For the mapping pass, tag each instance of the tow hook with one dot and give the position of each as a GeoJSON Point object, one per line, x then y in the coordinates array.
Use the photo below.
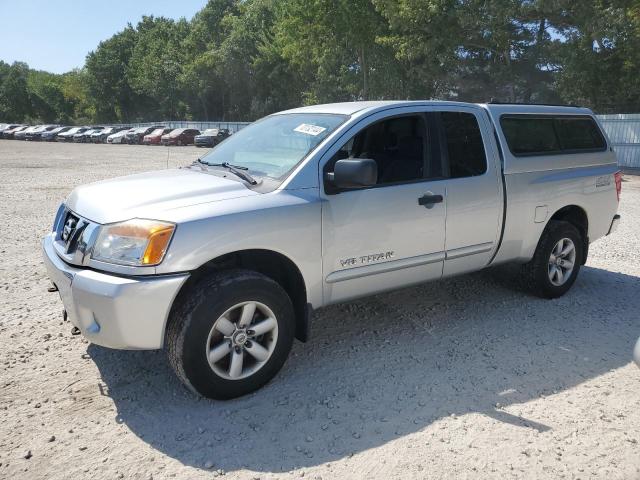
{"type": "Point", "coordinates": [75, 331]}
{"type": "Point", "coordinates": [52, 288]}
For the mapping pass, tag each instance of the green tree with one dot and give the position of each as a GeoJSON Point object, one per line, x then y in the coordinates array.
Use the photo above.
{"type": "Point", "coordinates": [334, 46]}
{"type": "Point", "coordinates": [15, 102]}
{"type": "Point", "coordinates": [106, 78]}
{"type": "Point", "coordinates": [242, 59]}
{"type": "Point", "coordinates": [201, 75]}
{"type": "Point", "coordinates": [599, 59]}
{"type": "Point", "coordinates": [77, 94]}
{"type": "Point", "coordinates": [156, 66]}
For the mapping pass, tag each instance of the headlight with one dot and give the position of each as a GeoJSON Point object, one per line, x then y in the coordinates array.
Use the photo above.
{"type": "Point", "coordinates": [134, 242]}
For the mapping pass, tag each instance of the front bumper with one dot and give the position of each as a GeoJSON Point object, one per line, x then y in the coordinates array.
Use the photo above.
{"type": "Point", "coordinates": [112, 311]}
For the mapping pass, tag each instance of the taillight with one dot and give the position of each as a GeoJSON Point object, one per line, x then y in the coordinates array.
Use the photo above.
{"type": "Point", "coordinates": [618, 179]}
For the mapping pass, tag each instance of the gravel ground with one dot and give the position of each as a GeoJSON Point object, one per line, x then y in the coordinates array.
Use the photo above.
{"type": "Point", "coordinates": [464, 378]}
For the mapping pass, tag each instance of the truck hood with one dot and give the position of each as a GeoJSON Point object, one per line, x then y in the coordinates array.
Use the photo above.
{"type": "Point", "coordinates": [151, 195]}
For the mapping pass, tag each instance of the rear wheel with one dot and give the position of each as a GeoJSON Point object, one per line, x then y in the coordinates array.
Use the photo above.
{"type": "Point", "coordinates": [556, 262]}
{"type": "Point", "coordinates": [231, 334]}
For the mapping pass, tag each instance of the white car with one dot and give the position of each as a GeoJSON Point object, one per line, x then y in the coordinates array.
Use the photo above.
{"type": "Point", "coordinates": [119, 137]}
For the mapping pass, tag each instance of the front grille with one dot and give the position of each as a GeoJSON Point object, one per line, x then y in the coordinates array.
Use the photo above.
{"type": "Point", "coordinates": [75, 236]}
{"type": "Point", "coordinates": [69, 228]}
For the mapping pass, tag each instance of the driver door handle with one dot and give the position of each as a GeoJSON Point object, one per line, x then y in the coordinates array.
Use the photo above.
{"type": "Point", "coordinates": [429, 200]}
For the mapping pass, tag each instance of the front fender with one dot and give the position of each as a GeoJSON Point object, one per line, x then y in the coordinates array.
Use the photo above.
{"type": "Point", "coordinates": [284, 221]}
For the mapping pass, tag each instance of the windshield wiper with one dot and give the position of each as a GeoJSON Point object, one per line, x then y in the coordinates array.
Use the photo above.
{"type": "Point", "coordinates": [235, 169]}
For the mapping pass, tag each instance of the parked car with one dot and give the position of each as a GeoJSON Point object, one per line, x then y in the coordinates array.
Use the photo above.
{"type": "Point", "coordinates": [135, 137]}
{"type": "Point", "coordinates": [119, 137]}
{"type": "Point", "coordinates": [84, 137]}
{"type": "Point", "coordinates": [180, 136]}
{"type": "Point", "coordinates": [211, 137]}
{"type": "Point", "coordinates": [50, 135]}
{"type": "Point", "coordinates": [36, 134]}
{"type": "Point", "coordinates": [68, 135]}
{"type": "Point", "coordinates": [321, 205]}
{"type": "Point", "coordinates": [7, 126]}
{"type": "Point", "coordinates": [22, 134]}
{"type": "Point", "coordinates": [101, 135]}
{"type": "Point", "coordinates": [9, 133]}
{"type": "Point", "coordinates": [154, 137]}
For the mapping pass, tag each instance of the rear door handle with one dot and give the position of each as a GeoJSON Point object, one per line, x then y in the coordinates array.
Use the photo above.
{"type": "Point", "coordinates": [429, 200]}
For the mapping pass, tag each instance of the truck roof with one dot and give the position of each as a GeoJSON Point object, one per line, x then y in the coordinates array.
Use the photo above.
{"type": "Point", "coordinates": [350, 108]}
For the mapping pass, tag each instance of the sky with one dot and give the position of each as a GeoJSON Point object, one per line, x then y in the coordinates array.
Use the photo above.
{"type": "Point", "coordinates": [56, 35]}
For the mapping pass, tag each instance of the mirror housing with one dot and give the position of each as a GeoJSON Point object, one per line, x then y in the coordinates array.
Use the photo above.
{"type": "Point", "coordinates": [354, 173]}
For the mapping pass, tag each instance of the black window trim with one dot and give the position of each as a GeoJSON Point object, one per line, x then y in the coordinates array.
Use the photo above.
{"type": "Point", "coordinates": [561, 151]}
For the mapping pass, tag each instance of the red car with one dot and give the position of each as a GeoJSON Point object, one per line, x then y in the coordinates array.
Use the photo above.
{"type": "Point", "coordinates": [154, 137]}
{"type": "Point", "coordinates": [180, 136]}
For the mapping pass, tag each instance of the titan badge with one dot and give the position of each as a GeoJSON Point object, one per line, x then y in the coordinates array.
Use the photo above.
{"type": "Point", "coordinates": [366, 259]}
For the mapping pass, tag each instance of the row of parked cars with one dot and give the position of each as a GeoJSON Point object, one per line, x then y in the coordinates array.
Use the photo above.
{"type": "Point", "coordinates": [155, 135]}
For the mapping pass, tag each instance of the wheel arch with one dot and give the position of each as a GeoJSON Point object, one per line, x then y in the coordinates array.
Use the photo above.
{"type": "Point", "coordinates": [272, 264]}
{"type": "Point", "coordinates": [576, 216]}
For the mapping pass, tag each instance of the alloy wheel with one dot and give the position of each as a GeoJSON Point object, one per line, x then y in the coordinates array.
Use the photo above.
{"type": "Point", "coordinates": [562, 261]}
{"type": "Point", "coordinates": [242, 340]}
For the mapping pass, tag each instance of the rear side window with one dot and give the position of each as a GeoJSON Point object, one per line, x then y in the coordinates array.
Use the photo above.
{"type": "Point", "coordinates": [551, 135]}
{"type": "Point", "coordinates": [464, 146]}
{"type": "Point", "coordinates": [527, 136]}
{"type": "Point", "coordinates": [579, 134]}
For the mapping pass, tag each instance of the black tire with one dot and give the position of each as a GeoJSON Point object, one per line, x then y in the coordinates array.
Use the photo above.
{"type": "Point", "coordinates": [194, 315]}
{"type": "Point", "coordinates": [535, 274]}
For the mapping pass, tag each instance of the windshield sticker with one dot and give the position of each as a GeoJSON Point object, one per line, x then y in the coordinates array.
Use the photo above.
{"type": "Point", "coordinates": [309, 129]}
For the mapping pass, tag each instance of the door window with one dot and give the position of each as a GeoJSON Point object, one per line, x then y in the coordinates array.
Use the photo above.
{"type": "Point", "coordinates": [463, 144]}
{"type": "Point", "coordinates": [398, 146]}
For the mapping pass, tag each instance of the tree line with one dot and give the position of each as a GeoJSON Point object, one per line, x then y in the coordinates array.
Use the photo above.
{"type": "Point", "coordinates": [238, 60]}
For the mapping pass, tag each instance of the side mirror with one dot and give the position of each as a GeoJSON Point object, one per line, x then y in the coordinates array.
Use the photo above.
{"type": "Point", "coordinates": [354, 173]}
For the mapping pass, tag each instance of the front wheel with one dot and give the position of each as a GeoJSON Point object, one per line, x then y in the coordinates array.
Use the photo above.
{"type": "Point", "coordinates": [230, 334]}
{"type": "Point", "coordinates": [556, 262]}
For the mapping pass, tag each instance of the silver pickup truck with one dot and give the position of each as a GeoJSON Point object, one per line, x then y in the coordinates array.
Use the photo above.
{"type": "Point", "coordinates": [222, 262]}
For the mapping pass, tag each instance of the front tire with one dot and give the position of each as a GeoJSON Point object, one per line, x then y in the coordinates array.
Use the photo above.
{"type": "Point", "coordinates": [556, 263]}
{"type": "Point", "coordinates": [230, 334]}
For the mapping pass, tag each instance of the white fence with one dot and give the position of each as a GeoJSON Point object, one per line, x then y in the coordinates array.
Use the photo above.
{"type": "Point", "coordinates": [624, 132]}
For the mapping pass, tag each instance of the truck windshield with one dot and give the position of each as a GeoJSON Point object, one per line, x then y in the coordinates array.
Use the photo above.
{"type": "Point", "coordinates": [273, 146]}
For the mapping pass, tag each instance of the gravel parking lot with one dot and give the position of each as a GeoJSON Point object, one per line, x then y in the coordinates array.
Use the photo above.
{"type": "Point", "coordinates": [465, 378]}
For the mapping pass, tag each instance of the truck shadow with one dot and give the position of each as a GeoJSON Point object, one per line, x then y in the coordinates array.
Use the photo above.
{"type": "Point", "coordinates": [385, 367]}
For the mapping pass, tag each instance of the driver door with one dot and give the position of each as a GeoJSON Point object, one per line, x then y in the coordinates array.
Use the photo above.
{"type": "Point", "coordinates": [392, 234]}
